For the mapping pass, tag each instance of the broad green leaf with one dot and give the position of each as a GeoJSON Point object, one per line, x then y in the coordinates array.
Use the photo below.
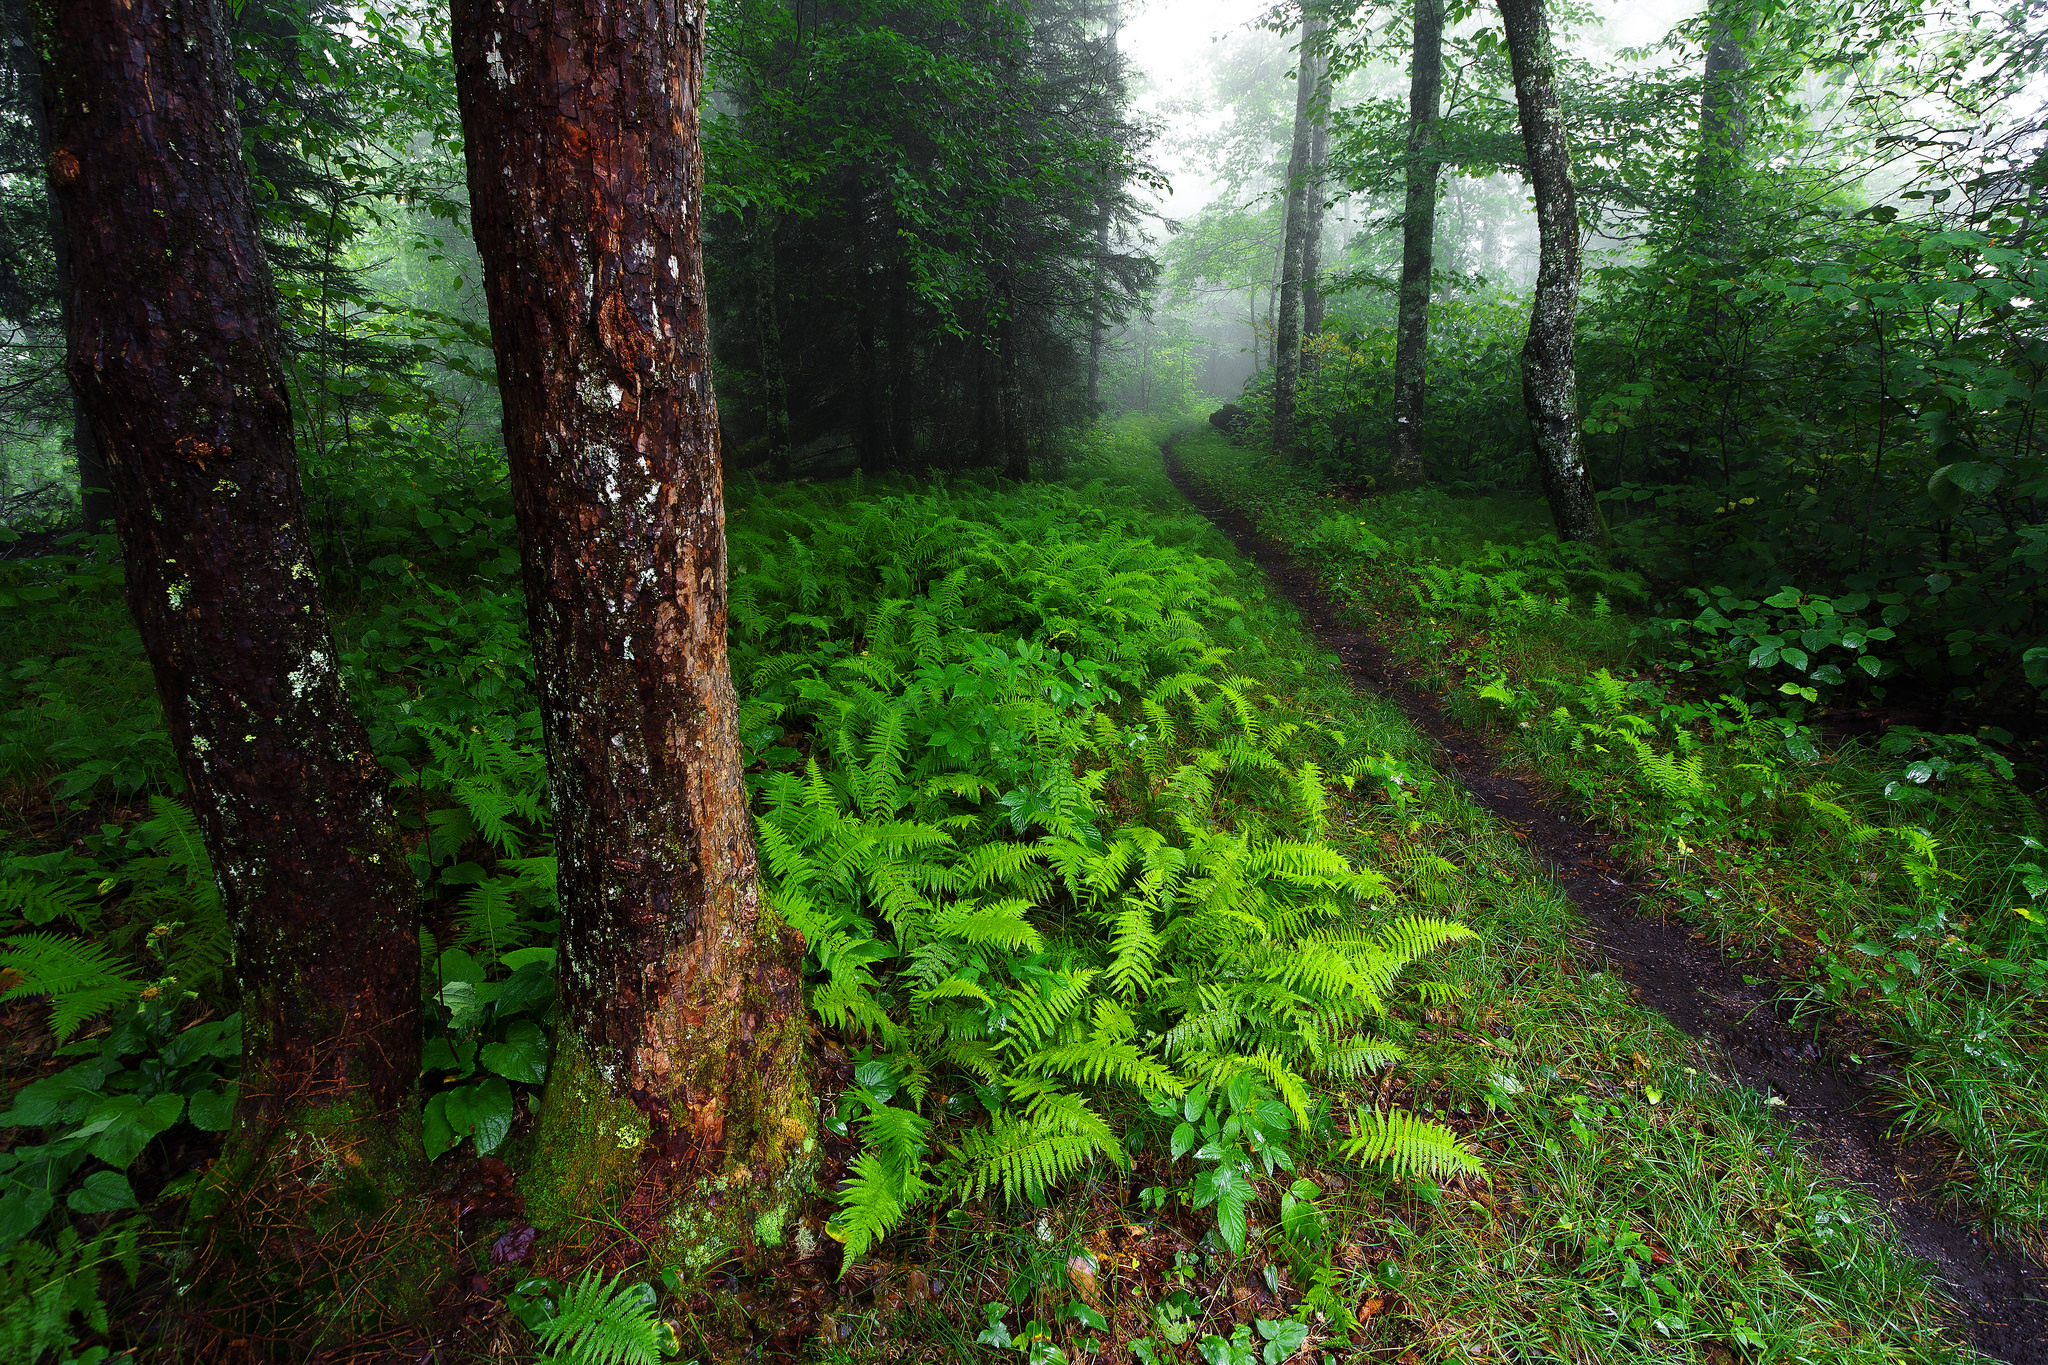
{"type": "Point", "coordinates": [213, 1110]}
{"type": "Point", "coordinates": [102, 1192]}
{"type": "Point", "coordinates": [22, 1211]}
{"type": "Point", "coordinates": [523, 1056]}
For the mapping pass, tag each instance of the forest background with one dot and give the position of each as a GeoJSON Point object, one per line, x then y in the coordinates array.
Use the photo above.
{"type": "Point", "coordinates": [1798, 666]}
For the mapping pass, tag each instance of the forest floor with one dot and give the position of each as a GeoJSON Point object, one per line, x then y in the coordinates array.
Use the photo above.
{"type": "Point", "coordinates": [1727, 1001]}
{"type": "Point", "coordinates": [1639, 1201]}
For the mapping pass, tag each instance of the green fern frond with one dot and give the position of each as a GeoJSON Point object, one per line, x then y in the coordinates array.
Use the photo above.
{"type": "Point", "coordinates": [81, 979]}
{"type": "Point", "coordinates": [1409, 1144]}
{"type": "Point", "coordinates": [40, 900]}
{"type": "Point", "coordinates": [998, 924]}
{"type": "Point", "coordinates": [1415, 936]}
{"type": "Point", "coordinates": [1095, 1062]}
{"type": "Point", "coordinates": [1020, 1156]}
{"type": "Point", "coordinates": [600, 1322]}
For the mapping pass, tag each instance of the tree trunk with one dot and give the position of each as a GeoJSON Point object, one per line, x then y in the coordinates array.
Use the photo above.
{"type": "Point", "coordinates": [1287, 327]}
{"type": "Point", "coordinates": [1549, 383]}
{"type": "Point", "coordinates": [1312, 240]}
{"type": "Point", "coordinates": [1724, 128]}
{"type": "Point", "coordinates": [768, 342]}
{"type": "Point", "coordinates": [1418, 248]}
{"type": "Point", "coordinates": [1096, 329]}
{"type": "Point", "coordinates": [1010, 438]}
{"type": "Point", "coordinates": [95, 495]}
{"type": "Point", "coordinates": [174, 354]}
{"type": "Point", "coordinates": [677, 1105]}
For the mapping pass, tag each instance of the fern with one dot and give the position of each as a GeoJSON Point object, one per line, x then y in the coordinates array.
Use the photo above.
{"type": "Point", "coordinates": [82, 980]}
{"type": "Point", "coordinates": [600, 1322]}
{"type": "Point", "coordinates": [1023, 1156]}
{"type": "Point", "coordinates": [1409, 1144]}
{"type": "Point", "coordinates": [41, 900]}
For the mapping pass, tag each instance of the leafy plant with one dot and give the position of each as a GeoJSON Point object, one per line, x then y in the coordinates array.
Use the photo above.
{"type": "Point", "coordinates": [600, 1321]}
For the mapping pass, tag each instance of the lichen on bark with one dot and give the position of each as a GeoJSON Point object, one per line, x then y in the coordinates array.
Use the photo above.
{"type": "Point", "coordinates": [680, 1014]}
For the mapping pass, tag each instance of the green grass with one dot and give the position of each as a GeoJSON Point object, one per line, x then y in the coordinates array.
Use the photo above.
{"type": "Point", "coordinates": [1896, 907]}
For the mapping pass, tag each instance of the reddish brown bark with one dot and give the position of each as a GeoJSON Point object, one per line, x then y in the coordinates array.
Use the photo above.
{"type": "Point", "coordinates": [585, 186]}
{"type": "Point", "coordinates": [173, 352]}
{"type": "Point", "coordinates": [1550, 386]}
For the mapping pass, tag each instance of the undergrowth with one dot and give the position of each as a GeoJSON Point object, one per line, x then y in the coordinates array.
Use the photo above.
{"type": "Point", "coordinates": [1892, 880]}
{"type": "Point", "coordinates": [1170, 1007]}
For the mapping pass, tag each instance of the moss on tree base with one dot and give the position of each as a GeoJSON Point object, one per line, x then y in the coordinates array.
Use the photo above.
{"type": "Point", "coordinates": [603, 1161]}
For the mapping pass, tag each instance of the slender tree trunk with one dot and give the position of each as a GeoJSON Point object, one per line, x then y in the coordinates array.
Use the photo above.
{"type": "Point", "coordinates": [174, 354]}
{"type": "Point", "coordinates": [1724, 135]}
{"type": "Point", "coordinates": [1287, 327]}
{"type": "Point", "coordinates": [678, 1060]}
{"type": "Point", "coordinates": [1312, 240]}
{"type": "Point", "coordinates": [1097, 330]}
{"type": "Point", "coordinates": [1724, 126]}
{"type": "Point", "coordinates": [95, 496]}
{"type": "Point", "coordinates": [1418, 248]}
{"type": "Point", "coordinates": [768, 343]}
{"type": "Point", "coordinates": [1549, 382]}
{"type": "Point", "coordinates": [1010, 437]}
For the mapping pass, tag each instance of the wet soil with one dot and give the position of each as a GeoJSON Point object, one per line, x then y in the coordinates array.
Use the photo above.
{"type": "Point", "coordinates": [2003, 1297]}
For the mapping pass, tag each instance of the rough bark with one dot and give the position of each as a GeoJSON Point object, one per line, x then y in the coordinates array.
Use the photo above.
{"type": "Point", "coordinates": [1418, 247]}
{"type": "Point", "coordinates": [1287, 326]}
{"type": "Point", "coordinates": [677, 1103]}
{"type": "Point", "coordinates": [1312, 240]}
{"type": "Point", "coordinates": [1549, 382]}
{"type": "Point", "coordinates": [174, 354]}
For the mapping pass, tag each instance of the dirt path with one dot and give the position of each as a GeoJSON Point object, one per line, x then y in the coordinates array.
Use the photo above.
{"type": "Point", "coordinates": [1687, 980]}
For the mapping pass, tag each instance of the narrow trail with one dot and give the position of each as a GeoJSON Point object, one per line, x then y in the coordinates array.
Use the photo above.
{"type": "Point", "coordinates": [2003, 1297]}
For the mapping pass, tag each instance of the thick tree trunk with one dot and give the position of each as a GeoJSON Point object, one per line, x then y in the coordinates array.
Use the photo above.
{"type": "Point", "coordinates": [174, 354]}
{"type": "Point", "coordinates": [1418, 247]}
{"type": "Point", "coordinates": [1287, 327]}
{"type": "Point", "coordinates": [768, 343]}
{"type": "Point", "coordinates": [1549, 383]}
{"type": "Point", "coordinates": [1312, 239]}
{"type": "Point", "coordinates": [677, 1103]}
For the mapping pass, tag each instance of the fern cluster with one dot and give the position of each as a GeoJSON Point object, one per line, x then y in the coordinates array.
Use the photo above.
{"type": "Point", "coordinates": [1050, 856]}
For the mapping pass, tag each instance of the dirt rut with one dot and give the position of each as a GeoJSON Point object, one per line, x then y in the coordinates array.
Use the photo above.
{"type": "Point", "coordinates": [2003, 1297]}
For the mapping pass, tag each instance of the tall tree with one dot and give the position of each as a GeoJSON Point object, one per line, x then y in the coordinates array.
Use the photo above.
{"type": "Point", "coordinates": [25, 158]}
{"type": "Point", "coordinates": [679, 1048]}
{"type": "Point", "coordinates": [1097, 323]}
{"type": "Point", "coordinates": [1550, 389]}
{"type": "Point", "coordinates": [1287, 326]}
{"type": "Point", "coordinates": [1724, 122]}
{"type": "Point", "coordinates": [1418, 245]}
{"type": "Point", "coordinates": [174, 354]}
{"type": "Point", "coordinates": [1312, 239]}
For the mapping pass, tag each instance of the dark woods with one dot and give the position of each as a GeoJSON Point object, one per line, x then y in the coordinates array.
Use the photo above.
{"type": "Point", "coordinates": [920, 211]}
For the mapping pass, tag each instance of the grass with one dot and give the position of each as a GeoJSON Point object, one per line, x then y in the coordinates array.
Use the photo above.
{"type": "Point", "coordinates": [1894, 904]}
